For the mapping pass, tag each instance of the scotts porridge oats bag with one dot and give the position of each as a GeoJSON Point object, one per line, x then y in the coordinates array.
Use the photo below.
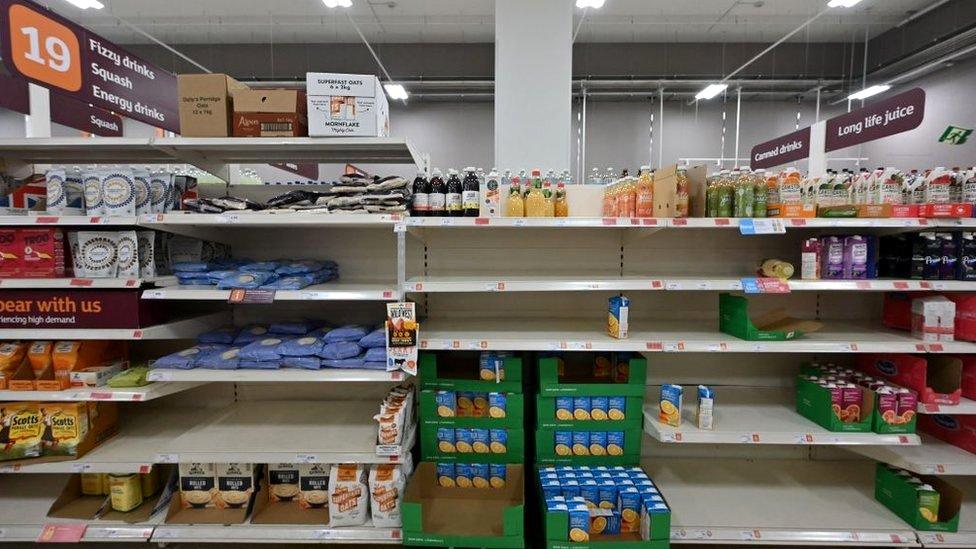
{"type": "Point", "coordinates": [98, 252]}
{"type": "Point", "coordinates": [386, 484]}
{"type": "Point", "coordinates": [128, 252]}
{"type": "Point", "coordinates": [348, 497]}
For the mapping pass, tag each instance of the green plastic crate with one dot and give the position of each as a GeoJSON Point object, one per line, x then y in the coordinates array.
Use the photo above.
{"type": "Point", "coordinates": [551, 386]}
{"type": "Point", "coordinates": [457, 377]}
{"type": "Point", "coordinates": [895, 493]}
{"type": "Point", "coordinates": [514, 413]}
{"type": "Point", "coordinates": [431, 452]}
{"type": "Point", "coordinates": [546, 417]}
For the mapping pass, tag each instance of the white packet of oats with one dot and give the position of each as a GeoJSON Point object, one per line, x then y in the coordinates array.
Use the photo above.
{"type": "Point", "coordinates": [76, 263]}
{"type": "Point", "coordinates": [386, 485]}
{"type": "Point", "coordinates": [348, 495]}
{"type": "Point", "coordinates": [128, 253]}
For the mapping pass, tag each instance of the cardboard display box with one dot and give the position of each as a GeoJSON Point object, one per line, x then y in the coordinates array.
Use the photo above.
{"type": "Point", "coordinates": [284, 512]}
{"type": "Point", "coordinates": [814, 403]}
{"type": "Point", "coordinates": [270, 113]}
{"type": "Point", "coordinates": [346, 105]}
{"type": "Point", "coordinates": [937, 379]}
{"type": "Point", "coordinates": [546, 416]}
{"type": "Point", "coordinates": [435, 516]}
{"type": "Point", "coordinates": [514, 413]}
{"type": "Point", "coordinates": [430, 449]}
{"type": "Point", "coordinates": [460, 372]}
{"type": "Point", "coordinates": [176, 514]}
{"type": "Point", "coordinates": [775, 325]}
{"type": "Point", "coordinates": [206, 104]}
{"type": "Point", "coordinates": [73, 504]}
{"type": "Point", "coordinates": [968, 376]}
{"type": "Point", "coordinates": [545, 447]}
{"type": "Point", "coordinates": [895, 493]}
{"type": "Point", "coordinates": [578, 379]}
{"type": "Point", "coordinates": [959, 430]}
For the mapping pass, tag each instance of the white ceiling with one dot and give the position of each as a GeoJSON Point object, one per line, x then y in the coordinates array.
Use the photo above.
{"type": "Point", "coordinates": [437, 21]}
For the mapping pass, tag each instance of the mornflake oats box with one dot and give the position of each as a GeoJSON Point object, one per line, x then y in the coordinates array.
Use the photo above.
{"type": "Point", "coordinates": [346, 105]}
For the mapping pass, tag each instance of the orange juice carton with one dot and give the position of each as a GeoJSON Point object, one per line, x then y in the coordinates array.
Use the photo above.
{"type": "Point", "coordinates": [463, 473]}
{"type": "Point", "coordinates": [618, 324]}
{"type": "Point", "coordinates": [552, 488]}
{"type": "Point", "coordinates": [907, 404]}
{"type": "Point", "coordinates": [670, 408]}
{"type": "Point", "coordinates": [581, 443]}
{"type": "Point", "coordinates": [629, 505]}
{"type": "Point", "coordinates": [497, 404]}
{"type": "Point", "coordinates": [465, 404]}
{"type": "Point", "coordinates": [621, 368]}
{"type": "Point", "coordinates": [445, 440]}
{"type": "Point", "coordinates": [836, 398]}
{"type": "Point", "coordinates": [615, 443]}
{"type": "Point", "coordinates": [706, 408]}
{"type": "Point", "coordinates": [480, 405]}
{"type": "Point", "coordinates": [497, 475]}
{"type": "Point", "coordinates": [480, 438]}
{"type": "Point", "coordinates": [445, 475]}
{"type": "Point", "coordinates": [598, 443]}
{"type": "Point", "coordinates": [602, 366]}
{"type": "Point", "coordinates": [616, 408]}
{"type": "Point", "coordinates": [590, 492]}
{"type": "Point", "coordinates": [579, 524]}
{"type": "Point", "coordinates": [564, 408]}
{"type": "Point", "coordinates": [887, 400]}
{"type": "Point", "coordinates": [446, 403]}
{"type": "Point", "coordinates": [464, 441]}
{"type": "Point", "coordinates": [556, 503]}
{"type": "Point", "coordinates": [479, 475]}
{"type": "Point", "coordinates": [649, 512]}
{"type": "Point", "coordinates": [600, 520]}
{"type": "Point", "coordinates": [499, 441]}
{"type": "Point", "coordinates": [851, 403]}
{"type": "Point", "coordinates": [571, 489]}
{"type": "Point", "coordinates": [563, 443]}
{"type": "Point", "coordinates": [599, 408]}
{"type": "Point", "coordinates": [492, 366]}
{"type": "Point", "coordinates": [608, 494]}
{"type": "Point", "coordinates": [581, 408]}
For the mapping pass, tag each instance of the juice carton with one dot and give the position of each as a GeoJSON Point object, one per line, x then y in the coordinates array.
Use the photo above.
{"type": "Point", "coordinates": [608, 494]}
{"type": "Point", "coordinates": [907, 404]}
{"type": "Point", "coordinates": [598, 443]}
{"type": "Point", "coordinates": [670, 409]}
{"type": "Point", "coordinates": [581, 443]}
{"type": "Point", "coordinates": [850, 403]}
{"type": "Point", "coordinates": [599, 408]}
{"type": "Point", "coordinates": [613, 524]}
{"type": "Point", "coordinates": [615, 443]}
{"type": "Point", "coordinates": [621, 367]}
{"type": "Point", "coordinates": [836, 398]}
{"type": "Point", "coordinates": [446, 403]}
{"type": "Point", "coordinates": [497, 474]}
{"type": "Point", "coordinates": [552, 488]}
{"type": "Point", "coordinates": [445, 440]}
{"type": "Point", "coordinates": [564, 408]}
{"type": "Point", "coordinates": [887, 404]}
{"type": "Point", "coordinates": [629, 504]}
{"type": "Point", "coordinates": [590, 491]}
{"type": "Point", "coordinates": [480, 438]}
{"type": "Point", "coordinates": [563, 443]}
{"type": "Point", "coordinates": [463, 441]}
{"type": "Point", "coordinates": [571, 489]}
{"type": "Point", "coordinates": [618, 323]}
{"type": "Point", "coordinates": [463, 474]}
{"type": "Point", "coordinates": [602, 366]}
{"type": "Point", "coordinates": [491, 366]}
{"type": "Point", "coordinates": [465, 404]}
{"type": "Point", "coordinates": [479, 475]}
{"type": "Point", "coordinates": [581, 408]}
{"type": "Point", "coordinates": [499, 441]}
{"type": "Point", "coordinates": [599, 520]}
{"type": "Point", "coordinates": [648, 513]}
{"type": "Point", "coordinates": [480, 408]}
{"type": "Point", "coordinates": [616, 408]}
{"type": "Point", "coordinates": [497, 404]}
{"type": "Point", "coordinates": [928, 503]}
{"type": "Point", "coordinates": [445, 475]}
{"type": "Point", "coordinates": [706, 408]}
{"type": "Point", "coordinates": [579, 525]}
{"type": "Point", "coordinates": [810, 259]}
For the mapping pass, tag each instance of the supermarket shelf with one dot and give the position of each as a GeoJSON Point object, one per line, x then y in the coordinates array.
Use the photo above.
{"type": "Point", "coordinates": [661, 223]}
{"type": "Point", "coordinates": [134, 394]}
{"type": "Point", "coordinates": [79, 283]}
{"type": "Point", "coordinates": [439, 284]}
{"type": "Point", "coordinates": [966, 536]}
{"type": "Point", "coordinates": [753, 415]}
{"type": "Point", "coordinates": [331, 291]}
{"type": "Point", "coordinates": [266, 533]}
{"type": "Point", "coordinates": [25, 501]}
{"type": "Point", "coordinates": [778, 502]}
{"type": "Point", "coordinates": [179, 329]}
{"type": "Point", "coordinates": [66, 220]}
{"type": "Point", "coordinates": [965, 407]}
{"type": "Point", "coordinates": [662, 336]}
{"type": "Point", "coordinates": [270, 218]}
{"type": "Point", "coordinates": [284, 375]}
{"type": "Point", "coordinates": [933, 457]}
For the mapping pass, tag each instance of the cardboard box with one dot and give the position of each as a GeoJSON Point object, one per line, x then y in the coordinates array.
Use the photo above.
{"type": "Point", "coordinates": [666, 192]}
{"type": "Point", "coordinates": [968, 376]}
{"type": "Point", "coordinates": [937, 379]}
{"type": "Point", "coordinates": [895, 493]}
{"type": "Point", "coordinates": [959, 431]}
{"type": "Point", "coordinates": [905, 210]}
{"type": "Point", "coordinates": [270, 113]}
{"type": "Point", "coordinates": [349, 105]}
{"type": "Point", "coordinates": [877, 211]}
{"type": "Point", "coordinates": [41, 253]}
{"type": "Point", "coordinates": [965, 322]}
{"type": "Point", "coordinates": [178, 514]}
{"type": "Point", "coordinates": [102, 424]}
{"type": "Point", "coordinates": [775, 325]}
{"type": "Point", "coordinates": [206, 104]}
{"type": "Point", "coordinates": [576, 379]}
{"type": "Point", "coordinates": [95, 376]}
{"type": "Point", "coordinates": [436, 516]}
{"type": "Point", "coordinates": [814, 403]}
{"type": "Point", "coordinates": [459, 372]}
{"type": "Point", "coordinates": [20, 378]}
{"type": "Point", "coordinates": [285, 512]}
{"type": "Point", "coordinates": [73, 504]}
{"type": "Point", "coordinates": [946, 210]}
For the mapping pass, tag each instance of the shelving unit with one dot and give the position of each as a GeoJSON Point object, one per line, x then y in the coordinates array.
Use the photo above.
{"type": "Point", "coordinates": [933, 457]}
{"type": "Point", "coordinates": [750, 415]}
{"type": "Point", "coordinates": [268, 219]}
{"type": "Point", "coordinates": [330, 291]}
{"type": "Point", "coordinates": [134, 394]}
{"type": "Point", "coordinates": [42, 219]}
{"type": "Point", "coordinates": [662, 223]}
{"type": "Point", "coordinates": [77, 283]}
{"type": "Point", "coordinates": [286, 375]}
{"type": "Point", "coordinates": [266, 533]}
{"type": "Point", "coordinates": [965, 407]}
{"type": "Point", "coordinates": [177, 329]}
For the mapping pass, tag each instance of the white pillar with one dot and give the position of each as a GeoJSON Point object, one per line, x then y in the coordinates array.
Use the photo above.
{"type": "Point", "coordinates": [38, 122]}
{"type": "Point", "coordinates": [818, 150]}
{"type": "Point", "coordinates": [533, 83]}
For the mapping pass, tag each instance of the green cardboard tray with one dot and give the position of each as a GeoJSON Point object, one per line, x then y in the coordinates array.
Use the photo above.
{"type": "Point", "coordinates": [774, 326]}
{"type": "Point", "coordinates": [546, 417]}
{"type": "Point", "coordinates": [551, 386]}
{"type": "Point", "coordinates": [460, 510]}
{"type": "Point", "coordinates": [430, 452]}
{"type": "Point", "coordinates": [899, 496]}
{"type": "Point", "coordinates": [546, 454]}
{"type": "Point", "coordinates": [813, 402]}
{"type": "Point", "coordinates": [514, 413]}
{"type": "Point", "coordinates": [465, 378]}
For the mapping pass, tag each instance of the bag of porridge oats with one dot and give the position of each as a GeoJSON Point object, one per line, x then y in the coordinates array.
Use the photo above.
{"type": "Point", "coordinates": [348, 496]}
{"type": "Point", "coordinates": [386, 485]}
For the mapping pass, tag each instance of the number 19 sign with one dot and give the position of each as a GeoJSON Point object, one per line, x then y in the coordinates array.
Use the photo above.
{"type": "Point", "coordinates": [51, 51]}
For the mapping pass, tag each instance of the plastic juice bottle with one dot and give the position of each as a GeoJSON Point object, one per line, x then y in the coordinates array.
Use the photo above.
{"type": "Point", "coordinates": [562, 201]}
{"type": "Point", "coordinates": [791, 187]}
{"type": "Point", "coordinates": [711, 197]}
{"type": "Point", "coordinates": [761, 193]}
{"type": "Point", "coordinates": [471, 194]}
{"type": "Point", "coordinates": [421, 195]}
{"type": "Point", "coordinates": [515, 206]}
{"type": "Point", "coordinates": [455, 190]}
{"type": "Point", "coordinates": [725, 194]}
{"type": "Point", "coordinates": [550, 197]}
{"type": "Point", "coordinates": [437, 199]}
{"type": "Point", "coordinates": [684, 192]}
{"type": "Point", "coordinates": [535, 202]}
{"type": "Point", "coordinates": [745, 195]}
{"type": "Point", "coordinates": [773, 199]}
{"type": "Point", "coordinates": [644, 203]}
{"type": "Point", "coordinates": [630, 197]}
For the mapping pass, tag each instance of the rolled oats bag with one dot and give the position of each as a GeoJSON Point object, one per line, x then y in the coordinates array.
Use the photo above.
{"type": "Point", "coordinates": [198, 485]}
{"type": "Point", "coordinates": [235, 484]}
{"type": "Point", "coordinates": [348, 495]}
{"type": "Point", "coordinates": [313, 480]}
{"type": "Point", "coordinates": [386, 485]}
{"type": "Point", "coordinates": [282, 481]}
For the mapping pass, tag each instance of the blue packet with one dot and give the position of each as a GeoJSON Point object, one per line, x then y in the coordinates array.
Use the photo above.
{"type": "Point", "coordinates": [376, 354]}
{"type": "Point", "coordinates": [260, 364]}
{"type": "Point", "coordinates": [268, 266]}
{"type": "Point", "coordinates": [191, 267]}
{"type": "Point", "coordinates": [354, 362]}
{"type": "Point", "coordinates": [194, 281]}
{"type": "Point", "coordinates": [250, 335]}
{"type": "Point", "coordinates": [262, 349]}
{"type": "Point", "coordinates": [303, 362]}
{"type": "Point", "coordinates": [290, 328]}
{"type": "Point", "coordinates": [227, 359]}
{"type": "Point", "coordinates": [302, 346]}
{"type": "Point", "coordinates": [376, 338]}
{"type": "Point", "coordinates": [290, 283]}
{"type": "Point", "coordinates": [248, 280]}
{"type": "Point", "coordinates": [349, 332]}
{"type": "Point", "coordinates": [375, 365]}
{"type": "Point", "coordinates": [320, 331]}
{"type": "Point", "coordinates": [340, 349]}
{"type": "Point", "coordinates": [303, 267]}
{"type": "Point", "coordinates": [217, 276]}
{"type": "Point", "coordinates": [223, 335]}
{"type": "Point", "coordinates": [186, 359]}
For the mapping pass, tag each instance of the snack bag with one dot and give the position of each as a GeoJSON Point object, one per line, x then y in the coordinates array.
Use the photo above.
{"type": "Point", "coordinates": [348, 495]}
{"type": "Point", "coordinates": [386, 484]}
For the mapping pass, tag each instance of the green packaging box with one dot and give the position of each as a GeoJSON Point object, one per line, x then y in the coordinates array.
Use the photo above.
{"type": "Point", "coordinates": [514, 413]}
{"type": "Point", "coordinates": [546, 417]}
{"type": "Point", "coordinates": [897, 494]}
{"type": "Point", "coordinates": [435, 516]}
{"type": "Point", "coordinates": [813, 402]}
{"type": "Point", "coordinates": [463, 375]}
{"type": "Point", "coordinates": [773, 326]}
{"type": "Point", "coordinates": [545, 449]}
{"type": "Point", "coordinates": [431, 451]}
{"type": "Point", "coordinates": [580, 384]}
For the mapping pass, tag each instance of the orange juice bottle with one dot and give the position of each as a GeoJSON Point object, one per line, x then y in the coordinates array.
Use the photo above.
{"type": "Point", "coordinates": [515, 206]}
{"type": "Point", "coordinates": [684, 191]}
{"type": "Point", "coordinates": [535, 202]}
{"type": "Point", "coordinates": [550, 196]}
{"type": "Point", "coordinates": [562, 202]}
{"type": "Point", "coordinates": [644, 202]}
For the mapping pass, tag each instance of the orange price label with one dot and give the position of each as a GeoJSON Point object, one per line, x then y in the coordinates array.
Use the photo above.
{"type": "Point", "coordinates": [44, 49]}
